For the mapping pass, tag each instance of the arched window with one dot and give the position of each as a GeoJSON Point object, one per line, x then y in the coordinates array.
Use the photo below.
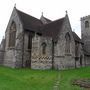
{"type": "Point", "coordinates": [68, 39]}
{"type": "Point", "coordinates": [44, 48]}
{"type": "Point", "coordinates": [86, 24]}
{"type": "Point", "coordinates": [12, 35]}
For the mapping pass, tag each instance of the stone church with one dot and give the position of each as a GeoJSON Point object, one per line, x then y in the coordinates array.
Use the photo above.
{"type": "Point", "coordinates": [44, 44]}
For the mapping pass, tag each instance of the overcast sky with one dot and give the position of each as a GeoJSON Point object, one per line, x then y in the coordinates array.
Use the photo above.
{"type": "Point", "coordinates": [52, 9]}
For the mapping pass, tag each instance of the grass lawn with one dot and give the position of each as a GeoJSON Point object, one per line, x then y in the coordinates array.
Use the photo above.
{"type": "Point", "coordinates": [26, 79]}
{"type": "Point", "coordinates": [68, 76]}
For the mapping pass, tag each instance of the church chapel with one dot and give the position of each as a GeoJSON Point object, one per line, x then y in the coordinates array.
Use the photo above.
{"type": "Point", "coordinates": [44, 44]}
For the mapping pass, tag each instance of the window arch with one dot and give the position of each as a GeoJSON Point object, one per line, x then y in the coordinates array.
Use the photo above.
{"type": "Point", "coordinates": [68, 39]}
{"type": "Point", "coordinates": [44, 48]}
{"type": "Point", "coordinates": [12, 34]}
{"type": "Point", "coordinates": [86, 24]}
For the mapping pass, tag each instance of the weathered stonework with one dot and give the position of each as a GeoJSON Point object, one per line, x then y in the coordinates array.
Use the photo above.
{"type": "Point", "coordinates": [2, 51]}
{"type": "Point", "coordinates": [85, 33]}
{"type": "Point", "coordinates": [55, 48]}
{"type": "Point", "coordinates": [40, 61]}
{"type": "Point", "coordinates": [62, 59]}
{"type": "Point", "coordinates": [14, 54]}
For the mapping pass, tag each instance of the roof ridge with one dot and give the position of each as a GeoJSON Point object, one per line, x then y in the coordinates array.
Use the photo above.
{"type": "Point", "coordinates": [47, 18]}
{"type": "Point", "coordinates": [44, 20]}
{"type": "Point", "coordinates": [27, 14]}
{"type": "Point", "coordinates": [55, 20]}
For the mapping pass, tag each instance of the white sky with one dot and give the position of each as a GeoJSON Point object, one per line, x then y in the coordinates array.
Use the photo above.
{"type": "Point", "coordinates": [52, 9]}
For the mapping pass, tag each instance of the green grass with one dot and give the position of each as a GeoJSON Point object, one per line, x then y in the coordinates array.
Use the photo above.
{"type": "Point", "coordinates": [69, 75]}
{"type": "Point", "coordinates": [26, 79]}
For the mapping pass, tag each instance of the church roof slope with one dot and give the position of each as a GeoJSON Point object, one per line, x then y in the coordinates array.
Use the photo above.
{"type": "Point", "coordinates": [76, 37]}
{"type": "Point", "coordinates": [52, 29]}
{"type": "Point", "coordinates": [45, 20]}
{"type": "Point", "coordinates": [29, 22]}
{"type": "Point", "coordinates": [48, 20]}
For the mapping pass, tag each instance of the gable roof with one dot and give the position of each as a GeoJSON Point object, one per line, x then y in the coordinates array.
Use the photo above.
{"type": "Point", "coordinates": [48, 20]}
{"type": "Point", "coordinates": [29, 22]}
{"type": "Point", "coordinates": [45, 20]}
{"type": "Point", "coordinates": [52, 29]}
{"type": "Point", "coordinates": [76, 37]}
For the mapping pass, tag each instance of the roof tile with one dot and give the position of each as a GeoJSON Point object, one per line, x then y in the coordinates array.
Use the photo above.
{"type": "Point", "coordinates": [29, 22]}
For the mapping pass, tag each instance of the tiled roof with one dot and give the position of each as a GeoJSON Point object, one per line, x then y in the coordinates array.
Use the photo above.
{"type": "Point", "coordinates": [52, 29]}
{"type": "Point", "coordinates": [29, 22]}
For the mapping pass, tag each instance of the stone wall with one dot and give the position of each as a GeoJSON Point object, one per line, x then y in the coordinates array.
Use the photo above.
{"type": "Point", "coordinates": [64, 62]}
{"type": "Point", "coordinates": [80, 57]}
{"type": "Point", "coordinates": [2, 50]}
{"type": "Point", "coordinates": [13, 56]}
{"type": "Point", "coordinates": [87, 60]}
{"type": "Point", "coordinates": [85, 33]}
{"type": "Point", "coordinates": [27, 51]}
{"type": "Point", "coordinates": [62, 59]}
{"type": "Point", "coordinates": [19, 50]}
{"type": "Point", "coordinates": [39, 60]}
{"type": "Point", "coordinates": [43, 62]}
{"type": "Point", "coordinates": [1, 57]}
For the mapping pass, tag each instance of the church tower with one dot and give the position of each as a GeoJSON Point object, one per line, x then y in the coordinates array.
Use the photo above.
{"type": "Point", "coordinates": [85, 32]}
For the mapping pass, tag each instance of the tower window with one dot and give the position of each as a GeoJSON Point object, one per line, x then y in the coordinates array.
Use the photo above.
{"type": "Point", "coordinates": [86, 24]}
{"type": "Point", "coordinates": [12, 35]}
